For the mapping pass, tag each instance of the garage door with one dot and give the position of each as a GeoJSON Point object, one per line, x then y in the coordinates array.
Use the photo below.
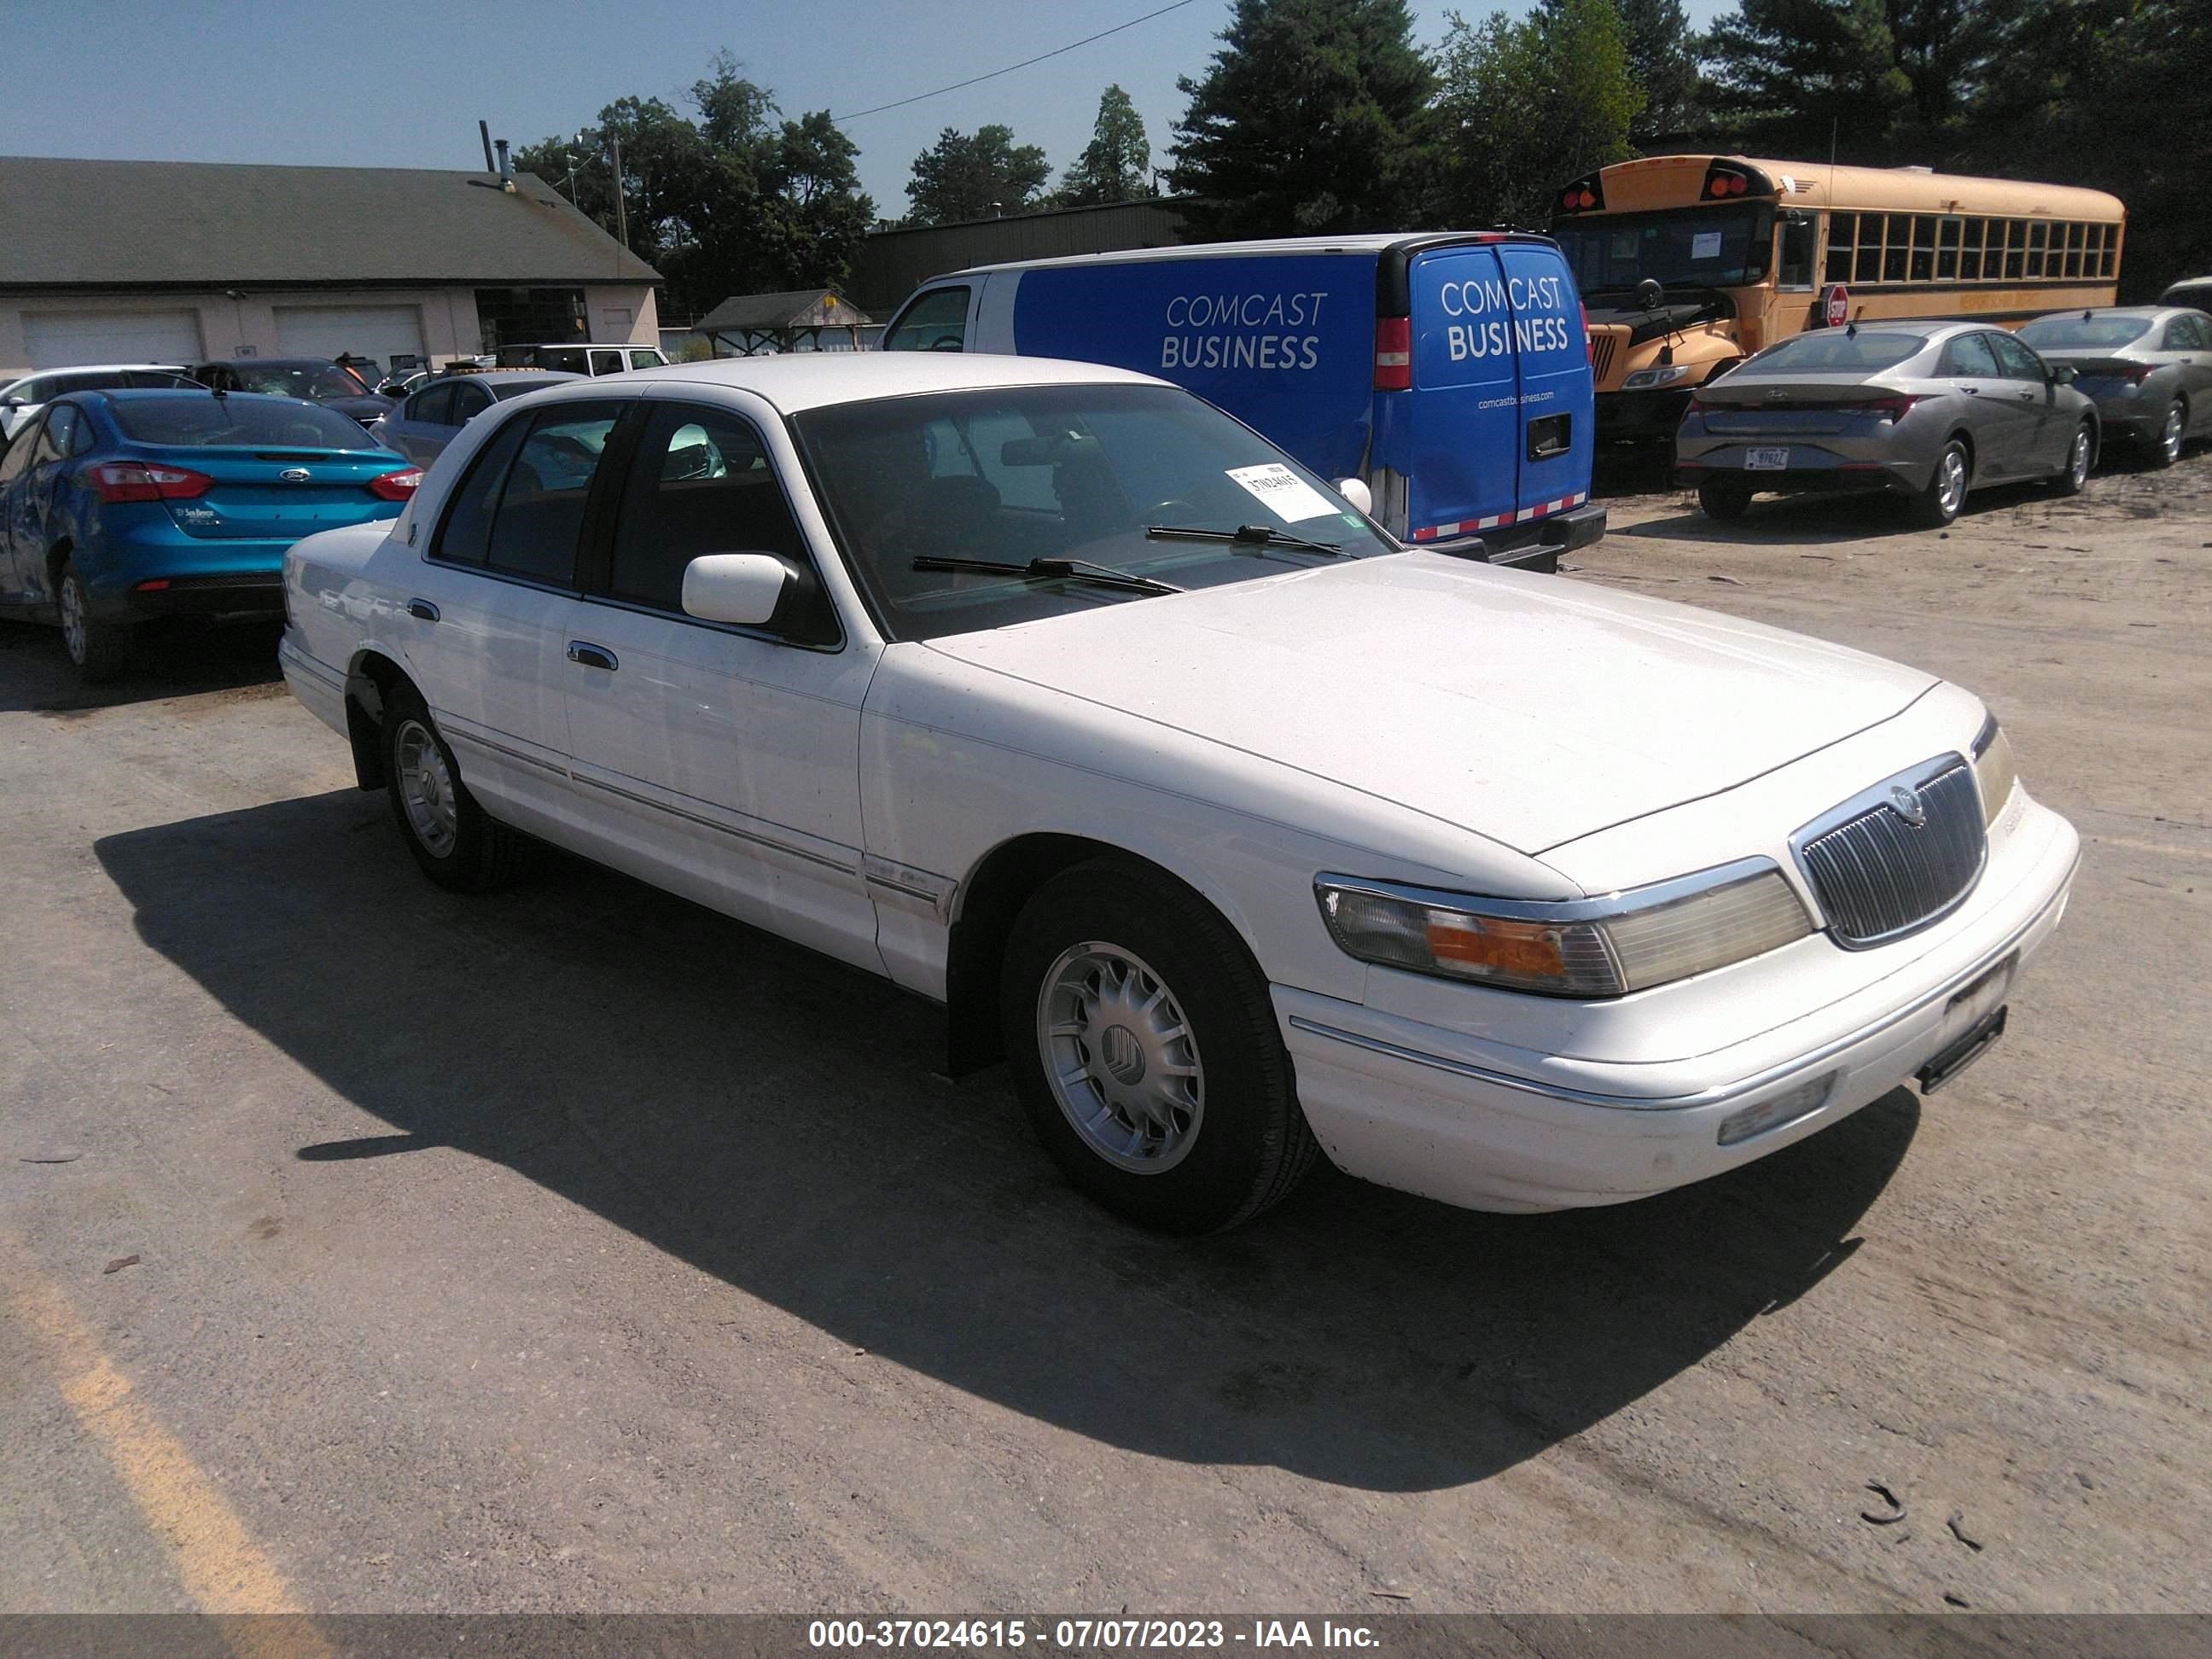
{"type": "Point", "coordinates": [62, 339]}
{"type": "Point", "coordinates": [379, 332]}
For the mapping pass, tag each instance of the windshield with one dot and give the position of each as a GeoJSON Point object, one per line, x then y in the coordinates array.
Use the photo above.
{"type": "Point", "coordinates": [254, 423]}
{"type": "Point", "coordinates": [2063, 333]}
{"type": "Point", "coordinates": [1686, 247]}
{"type": "Point", "coordinates": [1831, 349]}
{"type": "Point", "coordinates": [299, 380]}
{"type": "Point", "coordinates": [1073, 472]}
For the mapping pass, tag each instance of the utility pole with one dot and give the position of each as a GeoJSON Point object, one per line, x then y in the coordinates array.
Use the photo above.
{"type": "Point", "coordinates": [621, 208]}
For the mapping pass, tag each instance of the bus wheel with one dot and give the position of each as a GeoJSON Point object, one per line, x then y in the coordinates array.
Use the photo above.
{"type": "Point", "coordinates": [1723, 498]}
{"type": "Point", "coordinates": [1937, 504]}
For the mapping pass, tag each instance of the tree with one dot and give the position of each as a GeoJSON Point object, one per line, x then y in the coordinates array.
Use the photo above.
{"type": "Point", "coordinates": [980, 177]}
{"type": "Point", "coordinates": [1117, 165]}
{"type": "Point", "coordinates": [1312, 117]}
{"type": "Point", "coordinates": [1662, 59]}
{"type": "Point", "coordinates": [1527, 105]}
{"type": "Point", "coordinates": [735, 202]}
{"type": "Point", "coordinates": [1790, 73]}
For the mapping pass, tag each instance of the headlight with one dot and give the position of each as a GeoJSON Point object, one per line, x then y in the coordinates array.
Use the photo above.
{"type": "Point", "coordinates": [1651, 377]}
{"type": "Point", "coordinates": [1993, 768]}
{"type": "Point", "coordinates": [1602, 947]}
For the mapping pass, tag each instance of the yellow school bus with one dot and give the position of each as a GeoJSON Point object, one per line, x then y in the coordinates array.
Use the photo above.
{"type": "Point", "coordinates": [1689, 264]}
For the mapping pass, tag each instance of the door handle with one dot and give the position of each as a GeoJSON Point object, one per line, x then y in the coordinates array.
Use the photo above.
{"type": "Point", "coordinates": [421, 611]}
{"type": "Point", "coordinates": [592, 656]}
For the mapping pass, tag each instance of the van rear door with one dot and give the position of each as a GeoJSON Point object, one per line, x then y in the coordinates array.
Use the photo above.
{"type": "Point", "coordinates": [1456, 435]}
{"type": "Point", "coordinates": [1555, 440]}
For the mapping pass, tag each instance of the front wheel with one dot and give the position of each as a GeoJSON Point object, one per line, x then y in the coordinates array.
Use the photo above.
{"type": "Point", "coordinates": [2069, 478]}
{"type": "Point", "coordinates": [98, 650]}
{"type": "Point", "coordinates": [1939, 503]}
{"type": "Point", "coordinates": [1723, 498]}
{"type": "Point", "coordinates": [1144, 1049]}
{"type": "Point", "coordinates": [453, 839]}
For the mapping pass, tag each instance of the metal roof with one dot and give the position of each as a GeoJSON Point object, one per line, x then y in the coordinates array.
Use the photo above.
{"type": "Point", "coordinates": [203, 224]}
{"type": "Point", "coordinates": [759, 311]}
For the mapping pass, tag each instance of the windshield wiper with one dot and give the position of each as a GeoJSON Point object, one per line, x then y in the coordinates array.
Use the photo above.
{"type": "Point", "coordinates": [1245, 534]}
{"type": "Point", "coordinates": [1057, 570]}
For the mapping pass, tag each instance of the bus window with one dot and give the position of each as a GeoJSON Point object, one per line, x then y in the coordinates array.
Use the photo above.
{"type": "Point", "coordinates": [1842, 228]}
{"type": "Point", "coordinates": [1868, 269]}
{"type": "Point", "coordinates": [1795, 267]}
{"type": "Point", "coordinates": [2074, 235]}
{"type": "Point", "coordinates": [1923, 248]}
{"type": "Point", "coordinates": [1970, 256]}
{"type": "Point", "coordinates": [1896, 247]}
{"type": "Point", "coordinates": [2037, 233]}
{"type": "Point", "coordinates": [1947, 251]}
{"type": "Point", "coordinates": [2015, 258]}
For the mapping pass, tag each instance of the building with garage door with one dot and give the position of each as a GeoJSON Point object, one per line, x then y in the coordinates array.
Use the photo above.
{"type": "Point", "coordinates": [104, 262]}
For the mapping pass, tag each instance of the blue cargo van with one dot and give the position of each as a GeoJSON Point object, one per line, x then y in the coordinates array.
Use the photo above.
{"type": "Point", "coordinates": [1448, 373]}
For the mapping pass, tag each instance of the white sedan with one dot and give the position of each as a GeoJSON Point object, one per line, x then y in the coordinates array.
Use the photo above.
{"type": "Point", "coordinates": [1240, 832]}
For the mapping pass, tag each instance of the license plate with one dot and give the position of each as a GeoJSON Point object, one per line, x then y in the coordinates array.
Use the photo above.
{"type": "Point", "coordinates": [1767, 460]}
{"type": "Point", "coordinates": [1973, 1020]}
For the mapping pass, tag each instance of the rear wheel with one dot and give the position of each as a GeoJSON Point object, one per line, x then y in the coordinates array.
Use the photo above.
{"type": "Point", "coordinates": [99, 650]}
{"type": "Point", "coordinates": [1939, 503]}
{"type": "Point", "coordinates": [1144, 1049]}
{"type": "Point", "coordinates": [1723, 498]}
{"type": "Point", "coordinates": [453, 840]}
{"type": "Point", "coordinates": [2165, 448]}
{"type": "Point", "coordinates": [2069, 478]}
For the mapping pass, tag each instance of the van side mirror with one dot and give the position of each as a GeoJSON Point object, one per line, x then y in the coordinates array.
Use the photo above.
{"type": "Point", "coordinates": [1356, 491]}
{"type": "Point", "coordinates": [742, 589]}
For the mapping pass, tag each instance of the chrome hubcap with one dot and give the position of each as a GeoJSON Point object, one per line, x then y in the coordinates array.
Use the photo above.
{"type": "Point", "coordinates": [1954, 487]}
{"type": "Point", "coordinates": [2077, 464]}
{"type": "Point", "coordinates": [73, 619]}
{"type": "Point", "coordinates": [1121, 1058]}
{"type": "Point", "coordinates": [2170, 439]}
{"type": "Point", "coordinates": [426, 788]}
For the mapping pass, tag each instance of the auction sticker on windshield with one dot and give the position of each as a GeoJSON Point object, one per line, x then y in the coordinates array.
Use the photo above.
{"type": "Point", "coordinates": [1767, 460]}
{"type": "Point", "coordinates": [1287, 495]}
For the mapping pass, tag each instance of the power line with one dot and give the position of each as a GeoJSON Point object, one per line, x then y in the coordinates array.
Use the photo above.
{"type": "Point", "coordinates": [1056, 53]}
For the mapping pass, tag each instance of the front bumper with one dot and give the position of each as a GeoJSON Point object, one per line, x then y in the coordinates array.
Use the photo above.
{"type": "Point", "coordinates": [1536, 545]}
{"type": "Point", "coordinates": [1637, 416]}
{"type": "Point", "coordinates": [1484, 1126]}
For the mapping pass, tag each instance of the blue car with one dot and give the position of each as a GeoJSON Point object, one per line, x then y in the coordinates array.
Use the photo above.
{"type": "Point", "coordinates": [122, 509]}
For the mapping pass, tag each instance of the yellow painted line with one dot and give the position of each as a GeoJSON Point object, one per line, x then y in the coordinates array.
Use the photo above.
{"type": "Point", "coordinates": [222, 1569]}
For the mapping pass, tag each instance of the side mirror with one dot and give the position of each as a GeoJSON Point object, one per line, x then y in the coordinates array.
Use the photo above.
{"type": "Point", "coordinates": [742, 589]}
{"type": "Point", "coordinates": [1356, 491]}
{"type": "Point", "coordinates": [2065, 374]}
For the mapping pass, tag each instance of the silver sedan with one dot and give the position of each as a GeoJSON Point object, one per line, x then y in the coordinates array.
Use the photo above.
{"type": "Point", "coordinates": [1927, 409]}
{"type": "Point", "coordinates": [436, 410]}
{"type": "Point", "coordinates": [2150, 367]}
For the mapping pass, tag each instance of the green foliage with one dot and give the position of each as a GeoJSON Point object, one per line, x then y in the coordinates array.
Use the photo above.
{"type": "Point", "coordinates": [1527, 105]}
{"type": "Point", "coordinates": [983, 176]}
{"type": "Point", "coordinates": [735, 202]}
{"type": "Point", "coordinates": [1117, 165]}
{"type": "Point", "coordinates": [1313, 117]}
{"type": "Point", "coordinates": [1662, 59]}
{"type": "Point", "coordinates": [1787, 74]}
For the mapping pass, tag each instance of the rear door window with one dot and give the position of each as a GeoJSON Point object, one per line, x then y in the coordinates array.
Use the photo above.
{"type": "Point", "coordinates": [936, 321]}
{"type": "Point", "coordinates": [645, 359]}
{"type": "Point", "coordinates": [465, 536]}
{"type": "Point", "coordinates": [469, 402]}
{"type": "Point", "coordinates": [607, 363]}
{"type": "Point", "coordinates": [1969, 358]}
{"type": "Point", "coordinates": [540, 518]}
{"type": "Point", "coordinates": [433, 407]}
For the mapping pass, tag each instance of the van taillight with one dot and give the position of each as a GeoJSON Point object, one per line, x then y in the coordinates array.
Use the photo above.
{"type": "Point", "coordinates": [1394, 354]}
{"type": "Point", "coordinates": [1589, 346]}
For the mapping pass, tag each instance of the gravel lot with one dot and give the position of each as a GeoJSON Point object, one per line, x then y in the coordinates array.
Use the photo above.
{"type": "Point", "coordinates": [574, 1249]}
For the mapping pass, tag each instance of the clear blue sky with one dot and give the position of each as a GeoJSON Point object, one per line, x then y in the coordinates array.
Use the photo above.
{"type": "Point", "coordinates": [402, 83]}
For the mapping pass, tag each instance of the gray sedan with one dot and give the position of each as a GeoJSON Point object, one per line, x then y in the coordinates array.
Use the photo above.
{"type": "Point", "coordinates": [2150, 367]}
{"type": "Point", "coordinates": [1928, 410]}
{"type": "Point", "coordinates": [421, 426]}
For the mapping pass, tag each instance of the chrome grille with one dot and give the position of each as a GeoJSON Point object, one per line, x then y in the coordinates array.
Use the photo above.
{"type": "Point", "coordinates": [1880, 877]}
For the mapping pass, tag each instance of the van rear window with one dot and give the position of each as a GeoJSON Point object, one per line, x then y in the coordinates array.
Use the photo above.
{"type": "Point", "coordinates": [207, 421]}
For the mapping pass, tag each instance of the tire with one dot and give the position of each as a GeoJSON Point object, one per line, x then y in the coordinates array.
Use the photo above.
{"type": "Point", "coordinates": [2081, 454]}
{"type": "Point", "coordinates": [2165, 449]}
{"type": "Point", "coordinates": [1939, 503]}
{"type": "Point", "coordinates": [1723, 499]}
{"type": "Point", "coordinates": [1113, 974]}
{"type": "Point", "coordinates": [98, 651]}
{"type": "Point", "coordinates": [455, 843]}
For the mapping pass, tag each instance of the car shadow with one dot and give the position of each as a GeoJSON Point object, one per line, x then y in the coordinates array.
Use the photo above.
{"type": "Point", "coordinates": [36, 674]}
{"type": "Point", "coordinates": [773, 1118]}
{"type": "Point", "coordinates": [1821, 520]}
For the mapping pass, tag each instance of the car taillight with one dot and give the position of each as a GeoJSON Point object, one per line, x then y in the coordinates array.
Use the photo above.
{"type": "Point", "coordinates": [140, 481]}
{"type": "Point", "coordinates": [1890, 409]}
{"type": "Point", "coordinates": [1394, 354]}
{"type": "Point", "coordinates": [397, 486]}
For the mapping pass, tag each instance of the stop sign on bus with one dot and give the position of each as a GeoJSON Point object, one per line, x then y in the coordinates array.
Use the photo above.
{"type": "Point", "coordinates": [1838, 305]}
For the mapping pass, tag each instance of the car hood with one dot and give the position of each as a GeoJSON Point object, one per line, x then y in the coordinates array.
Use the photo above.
{"type": "Point", "coordinates": [1529, 709]}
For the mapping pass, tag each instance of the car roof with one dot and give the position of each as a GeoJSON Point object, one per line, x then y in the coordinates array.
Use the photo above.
{"type": "Point", "coordinates": [272, 362]}
{"type": "Point", "coordinates": [1365, 242]}
{"type": "Point", "coordinates": [2109, 311]}
{"type": "Point", "coordinates": [811, 380]}
{"type": "Point", "coordinates": [91, 368]}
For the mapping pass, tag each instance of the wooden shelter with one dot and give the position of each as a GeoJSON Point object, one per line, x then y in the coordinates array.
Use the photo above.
{"type": "Point", "coordinates": [806, 320]}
